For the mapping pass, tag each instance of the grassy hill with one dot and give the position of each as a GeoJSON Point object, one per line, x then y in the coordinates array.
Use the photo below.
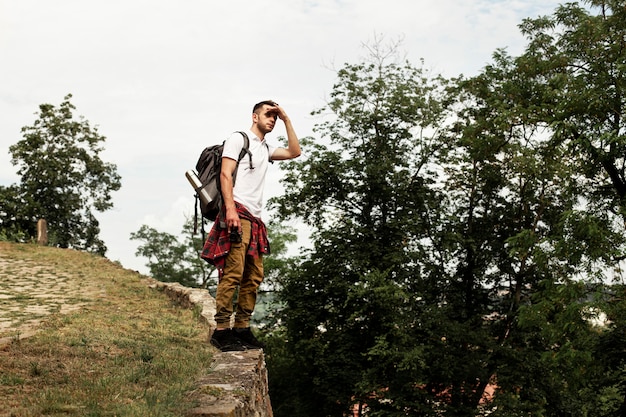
{"type": "Point", "coordinates": [108, 346]}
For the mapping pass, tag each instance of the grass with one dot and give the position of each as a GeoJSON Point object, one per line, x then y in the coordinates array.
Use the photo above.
{"type": "Point", "coordinates": [128, 351]}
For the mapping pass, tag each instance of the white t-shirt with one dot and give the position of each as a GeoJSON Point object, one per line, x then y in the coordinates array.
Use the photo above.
{"type": "Point", "coordinates": [249, 183]}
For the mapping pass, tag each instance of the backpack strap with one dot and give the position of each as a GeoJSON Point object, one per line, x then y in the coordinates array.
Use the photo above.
{"type": "Point", "coordinates": [269, 157]}
{"type": "Point", "coordinates": [246, 149]}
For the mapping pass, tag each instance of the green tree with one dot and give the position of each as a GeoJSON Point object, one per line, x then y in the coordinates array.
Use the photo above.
{"type": "Point", "coordinates": [367, 196]}
{"type": "Point", "coordinates": [517, 235]}
{"type": "Point", "coordinates": [14, 224]}
{"type": "Point", "coordinates": [571, 81]}
{"type": "Point", "coordinates": [171, 260]}
{"type": "Point", "coordinates": [445, 257]}
{"type": "Point", "coordinates": [63, 179]}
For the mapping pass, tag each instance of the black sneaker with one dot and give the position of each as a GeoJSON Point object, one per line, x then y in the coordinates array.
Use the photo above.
{"type": "Point", "coordinates": [225, 341]}
{"type": "Point", "coordinates": [247, 339]}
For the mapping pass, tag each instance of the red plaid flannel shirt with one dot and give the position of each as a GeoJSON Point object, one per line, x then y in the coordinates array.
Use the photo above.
{"type": "Point", "coordinates": [217, 244]}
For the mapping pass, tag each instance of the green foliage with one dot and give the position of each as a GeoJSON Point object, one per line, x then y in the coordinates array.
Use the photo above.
{"type": "Point", "coordinates": [570, 83]}
{"type": "Point", "coordinates": [461, 232]}
{"type": "Point", "coordinates": [171, 260]}
{"type": "Point", "coordinates": [367, 196]}
{"type": "Point", "coordinates": [63, 180]}
{"type": "Point", "coordinates": [577, 60]}
{"type": "Point", "coordinates": [14, 225]}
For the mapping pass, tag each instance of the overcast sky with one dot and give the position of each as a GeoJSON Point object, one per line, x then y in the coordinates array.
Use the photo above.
{"type": "Point", "coordinates": [161, 79]}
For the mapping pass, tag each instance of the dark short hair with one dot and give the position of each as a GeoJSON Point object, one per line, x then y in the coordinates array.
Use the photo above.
{"type": "Point", "coordinates": [263, 103]}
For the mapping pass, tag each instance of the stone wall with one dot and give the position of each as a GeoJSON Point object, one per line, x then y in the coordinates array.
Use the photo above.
{"type": "Point", "coordinates": [237, 384]}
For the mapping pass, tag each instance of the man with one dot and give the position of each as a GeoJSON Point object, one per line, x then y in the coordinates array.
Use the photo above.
{"type": "Point", "coordinates": [237, 250]}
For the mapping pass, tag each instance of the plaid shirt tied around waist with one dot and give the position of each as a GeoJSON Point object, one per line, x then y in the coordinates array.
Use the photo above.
{"type": "Point", "coordinates": [217, 244]}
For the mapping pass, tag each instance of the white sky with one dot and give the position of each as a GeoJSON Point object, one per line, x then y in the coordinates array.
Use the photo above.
{"type": "Point", "coordinates": [161, 79]}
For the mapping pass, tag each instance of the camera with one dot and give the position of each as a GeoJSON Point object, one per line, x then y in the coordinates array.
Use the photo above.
{"type": "Point", "coordinates": [235, 236]}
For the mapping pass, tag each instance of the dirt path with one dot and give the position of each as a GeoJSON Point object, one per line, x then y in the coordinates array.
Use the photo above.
{"type": "Point", "coordinates": [29, 292]}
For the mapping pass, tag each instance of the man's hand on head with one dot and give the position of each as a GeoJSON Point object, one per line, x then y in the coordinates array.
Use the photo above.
{"type": "Point", "coordinates": [279, 112]}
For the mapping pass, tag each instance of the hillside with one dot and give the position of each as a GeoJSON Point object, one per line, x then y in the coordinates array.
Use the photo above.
{"type": "Point", "coordinates": [80, 335]}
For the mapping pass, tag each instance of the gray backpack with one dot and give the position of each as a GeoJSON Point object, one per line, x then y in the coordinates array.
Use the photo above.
{"type": "Point", "coordinates": [206, 179]}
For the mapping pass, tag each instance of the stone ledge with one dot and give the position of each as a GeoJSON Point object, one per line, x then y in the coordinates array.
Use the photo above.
{"type": "Point", "coordinates": [236, 387]}
{"type": "Point", "coordinates": [237, 384]}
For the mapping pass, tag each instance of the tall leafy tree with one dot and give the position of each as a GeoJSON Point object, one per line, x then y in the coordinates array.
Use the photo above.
{"type": "Point", "coordinates": [522, 242]}
{"type": "Point", "coordinates": [475, 258]}
{"type": "Point", "coordinates": [63, 178]}
{"type": "Point", "coordinates": [365, 189]}
{"type": "Point", "coordinates": [574, 81]}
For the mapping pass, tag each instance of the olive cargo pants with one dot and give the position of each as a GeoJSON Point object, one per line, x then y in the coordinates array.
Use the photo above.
{"type": "Point", "coordinates": [240, 271]}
